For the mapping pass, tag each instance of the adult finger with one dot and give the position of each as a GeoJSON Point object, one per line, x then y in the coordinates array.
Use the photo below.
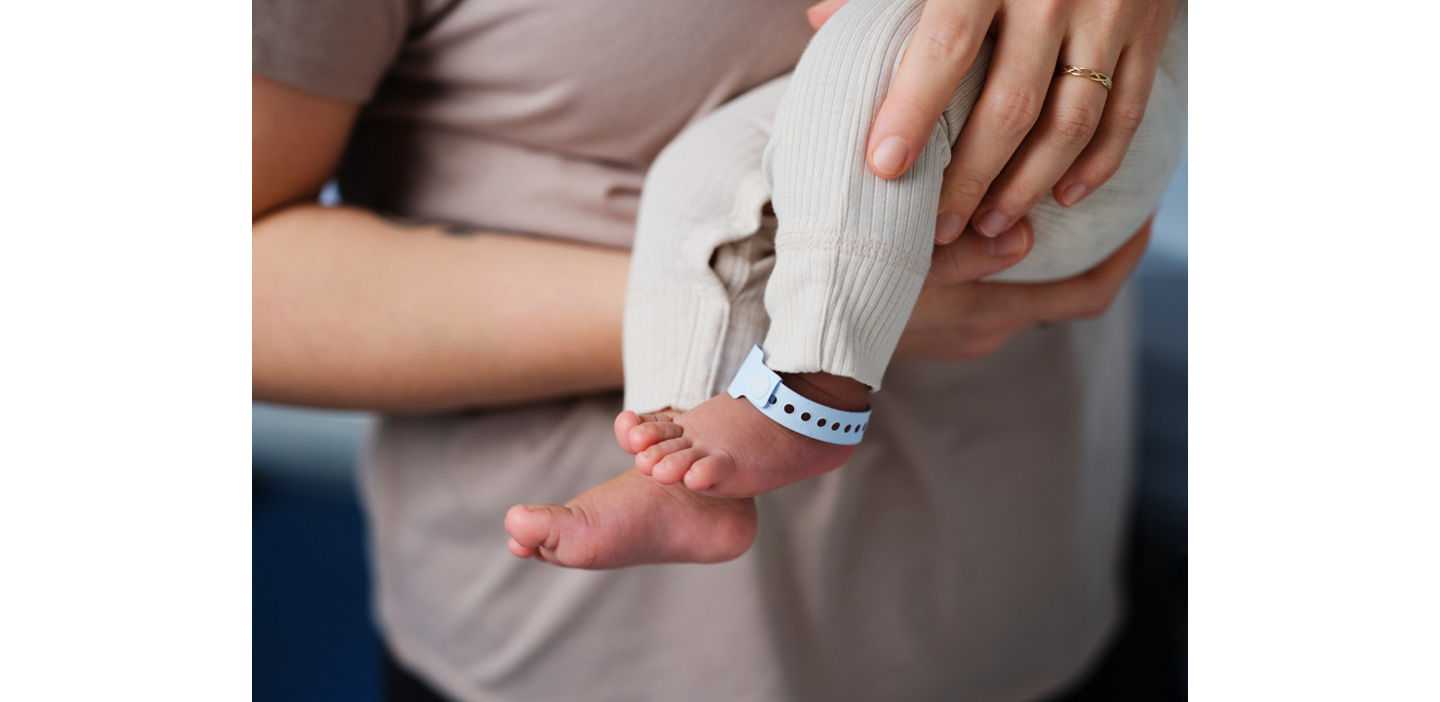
{"type": "Point", "coordinates": [936, 58]}
{"type": "Point", "coordinates": [1097, 287]}
{"type": "Point", "coordinates": [973, 257]}
{"type": "Point", "coordinates": [820, 12]}
{"type": "Point", "coordinates": [1134, 75]}
{"type": "Point", "coordinates": [1084, 296]}
{"type": "Point", "coordinates": [1089, 294]}
{"type": "Point", "coordinates": [1020, 73]}
{"type": "Point", "coordinates": [1067, 124]}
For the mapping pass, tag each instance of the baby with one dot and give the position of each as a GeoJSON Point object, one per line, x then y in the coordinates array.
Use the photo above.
{"type": "Point", "coordinates": [827, 281]}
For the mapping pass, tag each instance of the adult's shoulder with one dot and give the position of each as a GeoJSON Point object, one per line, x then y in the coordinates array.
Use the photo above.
{"type": "Point", "coordinates": [338, 49]}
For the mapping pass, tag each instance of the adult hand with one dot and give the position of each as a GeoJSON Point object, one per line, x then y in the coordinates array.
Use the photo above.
{"type": "Point", "coordinates": [1031, 131]}
{"type": "Point", "coordinates": [958, 317]}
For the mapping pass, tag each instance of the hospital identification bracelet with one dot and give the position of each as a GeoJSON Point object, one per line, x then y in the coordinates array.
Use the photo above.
{"type": "Point", "coordinates": [764, 389]}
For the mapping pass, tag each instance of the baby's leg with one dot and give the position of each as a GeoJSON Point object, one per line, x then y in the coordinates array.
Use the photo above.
{"type": "Point", "coordinates": [851, 253]}
{"type": "Point", "coordinates": [695, 307]}
{"type": "Point", "coordinates": [698, 266]}
{"type": "Point", "coordinates": [702, 252]}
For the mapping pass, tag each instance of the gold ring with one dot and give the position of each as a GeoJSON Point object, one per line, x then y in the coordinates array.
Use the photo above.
{"type": "Point", "coordinates": [1084, 72]}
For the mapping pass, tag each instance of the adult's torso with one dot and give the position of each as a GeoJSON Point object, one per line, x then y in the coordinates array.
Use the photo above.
{"type": "Point", "coordinates": [541, 116]}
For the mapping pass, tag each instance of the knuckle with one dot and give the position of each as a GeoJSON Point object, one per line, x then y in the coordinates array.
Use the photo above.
{"type": "Point", "coordinates": [1128, 116]}
{"type": "Point", "coordinates": [909, 108]}
{"type": "Point", "coordinates": [1018, 195]}
{"type": "Point", "coordinates": [1028, 195]}
{"type": "Point", "coordinates": [966, 309]}
{"type": "Point", "coordinates": [1102, 165]}
{"type": "Point", "coordinates": [945, 267]}
{"type": "Point", "coordinates": [1114, 11]}
{"type": "Point", "coordinates": [943, 40]}
{"type": "Point", "coordinates": [1014, 111]}
{"type": "Point", "coordinates": [1156, 17]}
{"type": "Point", "coordinates": [964, 188]}
{"type": "Point", "coordinates": [1050, 12]}
{"type": "Point", "coordinates": [1075, 124]}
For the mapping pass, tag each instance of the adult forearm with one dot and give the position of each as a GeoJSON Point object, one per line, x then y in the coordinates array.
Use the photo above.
{"type": "Point", "coordinates": [351, 310]}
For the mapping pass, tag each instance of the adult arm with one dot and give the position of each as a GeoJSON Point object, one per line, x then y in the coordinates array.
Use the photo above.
{"type": "Point", "coordinates": [352, 310]}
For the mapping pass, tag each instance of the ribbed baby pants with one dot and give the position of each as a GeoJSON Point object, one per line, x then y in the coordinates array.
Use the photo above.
{"type": "Point", "coordinates": [829, 279]}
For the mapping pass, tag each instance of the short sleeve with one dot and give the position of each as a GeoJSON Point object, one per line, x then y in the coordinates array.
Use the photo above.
{"type": "Point", "coordinates": [335, 48]}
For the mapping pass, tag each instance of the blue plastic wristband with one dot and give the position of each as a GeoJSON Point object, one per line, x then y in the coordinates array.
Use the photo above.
{"type": "Point", "coordinates": [764, 389]}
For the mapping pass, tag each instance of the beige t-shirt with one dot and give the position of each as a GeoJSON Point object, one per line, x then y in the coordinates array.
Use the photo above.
{"type": "Point", "coordinates": [967, 551]}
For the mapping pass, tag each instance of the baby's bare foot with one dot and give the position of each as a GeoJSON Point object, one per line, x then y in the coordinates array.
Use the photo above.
{"type": "Point", "coordinates": [724, 447]}
{"type": "Point", "coordinates": [631, 520]}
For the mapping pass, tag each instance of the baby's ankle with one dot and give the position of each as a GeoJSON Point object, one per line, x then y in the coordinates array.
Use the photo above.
{"type": "Point", "coordinates": [831, 390]}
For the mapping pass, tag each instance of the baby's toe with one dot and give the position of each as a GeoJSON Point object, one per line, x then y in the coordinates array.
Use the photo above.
{"type": "Point", "coordinates": [533, 526]}
{"type": "Point", "coordinates": [709, 471]}
{"type": "Point", "coordinates": [643, 436]}
{"type": "Point", "coordinates": [646, 460]}
{"type": "Point", "coordinates": [665, 415]}
{"type": "Point", "coordinates": [624, 422]}
{"type": "Point", "coordinates": [672, 468]}
{"type": "Point", "coordinates": [519, 550]}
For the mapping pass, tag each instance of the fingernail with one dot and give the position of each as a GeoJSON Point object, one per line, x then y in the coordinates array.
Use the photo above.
{"type": "Point", "coordinates": [992, 223]}
{"type": "Point", "coordinates": [1074, 194]}
{"type": "Point", "coordinates": [947, 227]}
{"type": "Point", "coordinates": [1007, 245]}
{"type": "Point", "coordinates": [889, 156]}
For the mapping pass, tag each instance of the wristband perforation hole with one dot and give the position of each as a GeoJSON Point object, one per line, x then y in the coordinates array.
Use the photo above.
{"type": "Point", "coordinates": [820, 423]}
{"type": "Point", "coordinates": [804, 416]}
{"type": "Point", "coordinates": [789, 409]}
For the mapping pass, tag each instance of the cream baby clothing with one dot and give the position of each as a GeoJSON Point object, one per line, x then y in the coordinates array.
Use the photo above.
{"type": "Point", "coordinates": [839, 268]}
